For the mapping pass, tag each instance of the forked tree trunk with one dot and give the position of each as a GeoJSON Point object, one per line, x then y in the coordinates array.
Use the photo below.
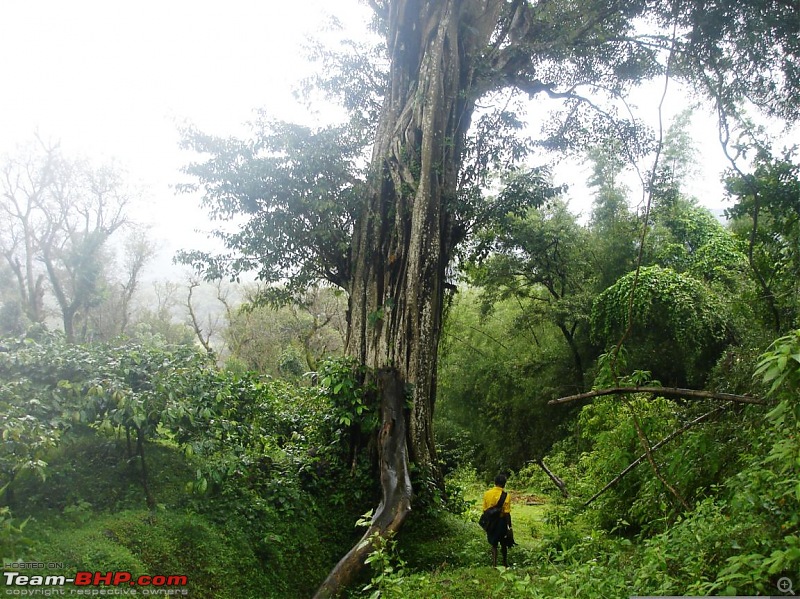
{"type": "Point", "coordinates": [404, 239]}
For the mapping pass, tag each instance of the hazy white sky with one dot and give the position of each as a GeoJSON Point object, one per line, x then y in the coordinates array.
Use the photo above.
{"type": "Point", "coordinates": [113, 73]}
{"type": "Point", "coordinates": [112, 78]}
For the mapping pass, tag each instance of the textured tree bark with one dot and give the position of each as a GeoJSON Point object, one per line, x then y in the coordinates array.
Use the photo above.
{"type": "Point", "coordinates": [395, 483]}
{"type": "Point", "coordinates": [405, 237]}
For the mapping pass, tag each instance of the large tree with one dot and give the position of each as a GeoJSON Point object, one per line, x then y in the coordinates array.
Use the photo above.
{"type": "Point", "coordinates": [388, 233]}
{"type": "Point", "coordinates": [767, 216]}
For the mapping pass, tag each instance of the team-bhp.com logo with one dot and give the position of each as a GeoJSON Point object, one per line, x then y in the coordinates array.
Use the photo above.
{"type": "Point", "coordinates": [151, 585]}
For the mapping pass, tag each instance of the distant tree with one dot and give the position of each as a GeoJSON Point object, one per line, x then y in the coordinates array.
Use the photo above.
{"type": "Point", "coordinates": [89, 207]}
{"type": "Point", "coordinates": [766, 217]}
{"type": "Point", "coordinates": [614, 228]}
{"type": "Point", "coordinates": [27, 179]}
{"type": "Point", "coordinates": [58, 214]}
{"type": "Point", "coordinates": [497, 371]}
{"type": "Point", "coordinates": [542, 260]}
{"type": "Point", "coordinates": [115, 310]}
{"type": "Point", "coordinates": [206, 324]}
{"type": "Point", "coordinates": [162, 318]}
{"type": "Point", "coordinates": [139, 250]}
{"type": "Point", "coordinates": [13, 318]}
{"type": "Point", "coordinates": [682, 232]}
{"type": "Point", "coordinates": [320, 324]}
{"type": "Point", "coordinates": [679, 155]}
{"type": "Point", "coordinates": [255, 336]}
{"type": "Point", "coordinates": [679, 237]}
{"type": "Point", "coordinates": [313, 324]}
{"type": "Point", "coordinates": [682, 235]}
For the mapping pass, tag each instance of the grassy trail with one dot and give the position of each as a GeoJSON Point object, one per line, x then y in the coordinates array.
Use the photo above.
{"type": "Point", "coordinates": [527, 517]}
{"type": "Point", "coordinates": [459, 566]}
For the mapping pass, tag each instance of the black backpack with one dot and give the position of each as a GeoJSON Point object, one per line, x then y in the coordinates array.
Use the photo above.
{"type": "Point", "coordinates": [490, 515]}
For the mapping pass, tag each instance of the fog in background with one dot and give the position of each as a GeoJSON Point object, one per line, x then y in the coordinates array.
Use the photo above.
{"type": "Point", "coordinates": [115, 80]}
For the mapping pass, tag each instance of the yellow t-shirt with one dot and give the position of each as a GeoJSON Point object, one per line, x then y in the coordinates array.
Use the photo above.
{"type": "Point", "coordinates": [492, 496]}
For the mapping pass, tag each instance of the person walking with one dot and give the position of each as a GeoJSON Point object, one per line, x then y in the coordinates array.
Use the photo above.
{"type": "Point", "coordinates": [498, 531]}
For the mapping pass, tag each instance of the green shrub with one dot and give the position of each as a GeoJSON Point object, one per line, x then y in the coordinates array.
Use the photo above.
{"type": "Point", "coordinates": [216, 562]}
{"type": "Point", "coordinates": [73, 478]}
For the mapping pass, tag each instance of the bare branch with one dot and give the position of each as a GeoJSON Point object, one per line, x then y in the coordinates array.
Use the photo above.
{"type": "Point", "coordinates": [648, 452]}
{"type": "Point", "coordinates": [205, 340]}
{"type": "Point", "coordinates": [662, 392]}
{"type": "Point", "coordinates": [557, 481]}
{"type": "Point", "coordinates": [658, 445]}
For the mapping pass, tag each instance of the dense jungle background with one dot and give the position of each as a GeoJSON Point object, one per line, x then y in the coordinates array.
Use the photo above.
{"type": "Point", "coordinates": [147, 452]}
{"type": "Point", "coordinates": [634, 370]}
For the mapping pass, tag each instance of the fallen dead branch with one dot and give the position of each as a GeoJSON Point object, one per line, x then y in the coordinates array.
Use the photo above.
{"type": "Point", "coordinates": [662, 391]}
{"type": "Point", "coordinates": [661, 443]}
{"type": "Point", "coordinates": [557, 480]}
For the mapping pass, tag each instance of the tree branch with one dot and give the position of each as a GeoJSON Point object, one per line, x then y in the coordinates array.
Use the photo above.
{"type": "Point", "coordinates": [648, 452]}
{"type": "Point", "coordinates": [205, 341]}
{"type": "Point", "coordinates": [658, 445]}
{"type": "Point", "coordinates": [379, 7]}
{"type": "Point", "coordinates": [557, 481]}
{"type": "Point", "coordinates": [661, 391]}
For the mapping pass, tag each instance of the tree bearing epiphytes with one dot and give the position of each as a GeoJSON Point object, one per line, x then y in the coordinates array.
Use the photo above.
{"type": "Point", "coordinates": [57, 216]}
{"type": "Point", "coordinates": [681, 325]}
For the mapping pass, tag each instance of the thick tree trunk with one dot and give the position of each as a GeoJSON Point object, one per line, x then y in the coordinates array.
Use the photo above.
{"type": "Point", "coordinates": [399, 251]}
{"type": "Point", "coordinates": [404, 238]}
{"type": "Point", "coordinates": [395, 482]}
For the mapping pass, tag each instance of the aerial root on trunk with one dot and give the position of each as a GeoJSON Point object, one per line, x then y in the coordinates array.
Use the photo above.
{"type": "Point", "coordinates": [395, 485]}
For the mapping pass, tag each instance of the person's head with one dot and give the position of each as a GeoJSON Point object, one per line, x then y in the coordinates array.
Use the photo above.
{"type": "Point", "coordinates": [500, 480]}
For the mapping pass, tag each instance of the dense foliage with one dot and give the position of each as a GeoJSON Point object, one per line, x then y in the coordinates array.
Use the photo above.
{"type": "Point", "coordinates": [266, 466]}
{"type": "Point", "coordinates": [219, 471]}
